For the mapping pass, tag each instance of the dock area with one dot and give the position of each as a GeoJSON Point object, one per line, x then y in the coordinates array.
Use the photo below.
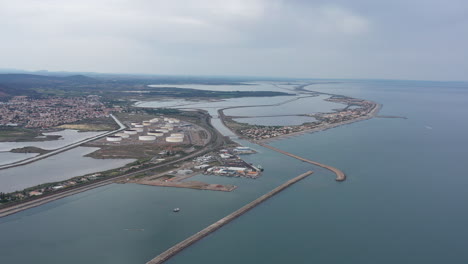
{"type": "Point", "coordinates": [340, 176]}
{"type": "Point", "coordinates": [213, 227]}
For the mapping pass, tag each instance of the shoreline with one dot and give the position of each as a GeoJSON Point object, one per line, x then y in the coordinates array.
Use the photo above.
{"type": "Point", "coordinates": [216, 141]}
{"type": "Point", "coordinates": [372, 114]}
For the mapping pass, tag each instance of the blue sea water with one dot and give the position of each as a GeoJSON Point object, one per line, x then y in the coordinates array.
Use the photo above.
{"type": "Point", "coordinates": [404, 200]}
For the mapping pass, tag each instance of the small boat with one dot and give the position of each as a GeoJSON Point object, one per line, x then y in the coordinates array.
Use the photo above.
{"type": "Point", "coordinates": [176, 210]}
{"type": "Point", "coordinates": [260, 167]}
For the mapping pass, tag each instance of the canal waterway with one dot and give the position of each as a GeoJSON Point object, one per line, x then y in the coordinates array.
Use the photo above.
{"type": "Point", "coordinates": [403, 200]}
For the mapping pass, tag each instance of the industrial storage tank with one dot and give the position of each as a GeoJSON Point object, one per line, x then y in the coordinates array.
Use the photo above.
{"type": "Point", "coordinates": [174, 139]}
{"type": "Point", "coordinates": [181, 135]}
{"type": "Point", "coordinates": [113, 138]}
{"type": "Point", "coordinates": [130, 132]}
{"type": "Point", "coordinates": [147, 138]}
{"type": "Point", "coordinates": [138, 129]}
{"type": "Point", "coordinates": [146, 123]}
{"type": "Point", "coordinates": [161, 130]}
{"type": "Point", "coordinates": [138, 125]}
{"type": "Point", "coordinates": [122, 135]}
{"type": "Point", "coordinates": [168, 127]}
{"type": "Point", "coordinates": [154, 120]}
{"type": "Point", "coordinates": [173, 120]}
{"type": "Point", "coordinates": [155, 133]}
{"type": "Point", "coordinates": [134, 123]}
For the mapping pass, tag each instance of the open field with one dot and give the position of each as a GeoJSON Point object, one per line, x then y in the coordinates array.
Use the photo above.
{"type": "Point", "coordinates": [97, 124]}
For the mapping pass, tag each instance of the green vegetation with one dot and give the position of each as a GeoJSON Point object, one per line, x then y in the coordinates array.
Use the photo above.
{"type": "Point", "coordinates": [190, 93]}
{"type": "Point", "coordinates": [96, 124]}
{"type": "Point", "coordinates": [29, 150]}
{"type": "Point", "coordinates": [17, 134]}
{"type": "Point", "coordinates": [161, 111]}
{"type": "Point", "coordinates": [115, 87]}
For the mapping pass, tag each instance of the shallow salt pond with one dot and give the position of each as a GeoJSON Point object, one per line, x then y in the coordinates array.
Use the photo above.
{"type": "Point", "coordinates": [68, 136]}
{"type": "Point", "coordinates": [304, 105]}
{"type": "Point", "coordinates": [60, 167]}
{"type": "Point", "coordinates": [9, 157]}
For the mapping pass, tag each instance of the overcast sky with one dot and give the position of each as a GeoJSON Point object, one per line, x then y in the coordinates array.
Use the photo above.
{"type": "Point", "coordinates": [393, 39]}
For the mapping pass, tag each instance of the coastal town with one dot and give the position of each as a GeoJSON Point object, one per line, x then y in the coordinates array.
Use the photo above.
{"type": "Point", "coordinates": [27, 112]}
{"type": "Point", "coordinates": [355, 109]}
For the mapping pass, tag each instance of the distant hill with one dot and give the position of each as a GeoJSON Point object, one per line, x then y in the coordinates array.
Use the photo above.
{"type": "Point", "coordinates": [17, 78]}
{"type": "Point", "coordinates": [22, 84]}
{"type": "Point", "coordinates": [7, 91]}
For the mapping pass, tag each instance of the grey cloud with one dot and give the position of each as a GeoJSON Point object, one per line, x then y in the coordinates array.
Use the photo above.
{"type": "Point", "coordinates": [330, 39]}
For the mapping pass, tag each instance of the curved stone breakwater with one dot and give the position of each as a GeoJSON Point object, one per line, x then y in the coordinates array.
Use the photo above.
{"type": "Point", "coordinates": [208, 230]}
{"type": "Point", "coordinates": [340, 176]}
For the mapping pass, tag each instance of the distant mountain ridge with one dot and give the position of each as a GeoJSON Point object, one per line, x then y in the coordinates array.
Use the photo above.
{"type": "Point", "coordinates": [30, 78]}
{"type": "Point", "coordinates": [13, 84]}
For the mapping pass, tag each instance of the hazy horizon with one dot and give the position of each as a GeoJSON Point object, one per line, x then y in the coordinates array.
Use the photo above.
{"type": "Point", "coordinates": [400, 40]}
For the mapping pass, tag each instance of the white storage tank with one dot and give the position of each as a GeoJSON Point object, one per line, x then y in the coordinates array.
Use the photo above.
{"type": "Point", "coordinates": [154, 120]}
{"type": "Point", "coordinates": [173, 120]}
{"type": "Point", "coordinates": [181, 135]}
{"type": "Point", "coordinates": [146, 123]}
{"type": "Point", "coordinates": [162, 130]}
{"type": "Point", "coordinates": [147, 138]}
{"type": "Point", "coordinates": [155, 133]}
{"type": "Point", "coordinates": [130, 132]}
{"type": "Point", "coordinates": [113, 138]}
{"type": "Point", "coordinates": [138, 129]}
{"type": "Point", "coordinates": [138, 125]}
{"type": "Point", "coordinates": [174, 139]}
{"type": "Point", "coordinates": [122, 135]}
{"type": "Point", "coordinates": [134, 123]}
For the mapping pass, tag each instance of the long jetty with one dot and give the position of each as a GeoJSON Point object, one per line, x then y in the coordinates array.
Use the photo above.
{"type": "Point", "coordinates": [213, 227]}
{"type": "Point", "coordinates": [340, 176]}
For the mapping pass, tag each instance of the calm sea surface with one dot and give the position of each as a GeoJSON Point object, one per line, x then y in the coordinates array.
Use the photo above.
{"type": "Point", "coordinates": [404, 200]}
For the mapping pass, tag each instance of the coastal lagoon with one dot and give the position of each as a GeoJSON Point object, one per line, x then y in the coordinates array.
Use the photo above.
{"type": "Point", "coordinates": [244, 87]}
{"type": "Point", "coordinates": [303, 105]}
{"type": "Point", "coordinates": [402, 202]}
{"type": "Point", "coordinates": [7, 157]}
{"type": "Point", "coordinates": [276, 120]}
{"type": "Point", "coordinates": [60, 167]}
{"type": "Point", "coordinates": [67, 137]}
